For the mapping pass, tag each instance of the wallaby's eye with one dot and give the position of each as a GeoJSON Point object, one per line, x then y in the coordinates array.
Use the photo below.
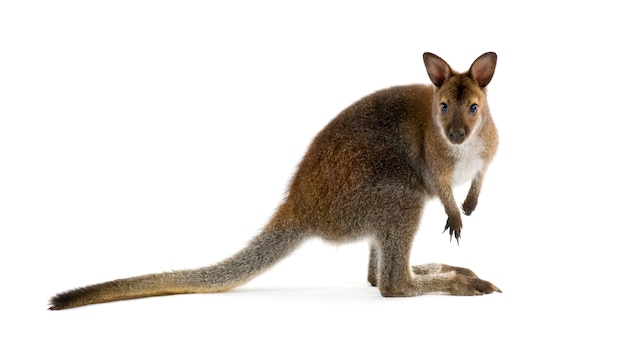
{"type": "Point", "coordinates": [444, 107]}
{"type": "Point", "coordinates": [473, 109]}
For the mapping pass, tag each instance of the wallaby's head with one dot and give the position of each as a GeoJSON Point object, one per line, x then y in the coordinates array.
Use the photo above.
{"type": "Point", "coordinates": [460, 103]}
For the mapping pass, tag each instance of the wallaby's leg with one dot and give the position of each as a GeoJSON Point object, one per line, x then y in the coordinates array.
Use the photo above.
{"type": "Point", "coordinates": [397, 279]}
{"type": "Point", "coordinates": [472, 196]}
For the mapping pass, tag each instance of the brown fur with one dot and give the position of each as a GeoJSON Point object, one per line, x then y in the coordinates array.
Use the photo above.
{"type": "Point", "coordinates": [367, 174]}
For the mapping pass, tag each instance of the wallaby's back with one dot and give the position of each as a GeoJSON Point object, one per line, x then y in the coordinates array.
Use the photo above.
{"type": "Point", "coordinates": [362, 159]}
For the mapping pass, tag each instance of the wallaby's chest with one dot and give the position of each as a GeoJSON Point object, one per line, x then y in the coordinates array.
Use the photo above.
{"type": "Point", "coordinates": [468, 161]}
{"type": "Point", "coordinates": [466, 169]}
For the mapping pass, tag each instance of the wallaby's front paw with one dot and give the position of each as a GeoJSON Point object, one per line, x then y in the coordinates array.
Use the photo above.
{"type": "Point", "coordinates": [469, 206]}
{"type": "Point", "coordinates": [454, 224]}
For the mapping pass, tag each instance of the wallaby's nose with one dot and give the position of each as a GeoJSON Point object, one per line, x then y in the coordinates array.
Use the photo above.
{"type": "Point", "coordinates": [456, 135]}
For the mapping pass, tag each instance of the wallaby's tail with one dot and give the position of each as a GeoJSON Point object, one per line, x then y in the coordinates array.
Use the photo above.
{"type": "Point", "coordinates": [265, 250]}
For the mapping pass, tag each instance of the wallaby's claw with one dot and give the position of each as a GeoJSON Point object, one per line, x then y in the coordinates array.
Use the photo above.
{"type": "Point", "coordinates": [468, 206]}
{"type": "Point", "coordinates": [455, 229]}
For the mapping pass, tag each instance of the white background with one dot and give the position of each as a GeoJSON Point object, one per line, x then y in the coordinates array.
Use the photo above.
{"type": "Point", "coordinates": [146, 136]}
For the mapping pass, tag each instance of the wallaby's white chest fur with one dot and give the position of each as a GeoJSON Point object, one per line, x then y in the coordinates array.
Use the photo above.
{"type": "Point", "coordinates": [468, 160]}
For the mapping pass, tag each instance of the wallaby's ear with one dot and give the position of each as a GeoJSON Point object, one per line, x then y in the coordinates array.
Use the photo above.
{"type": "Point", "coordinates": [483, 68]}
{"type": "Point", "coordinates": [437, 68]}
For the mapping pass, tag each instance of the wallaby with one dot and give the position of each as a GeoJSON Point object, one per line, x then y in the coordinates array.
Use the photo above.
{"type": "Point", "coordinates": [367, 174]}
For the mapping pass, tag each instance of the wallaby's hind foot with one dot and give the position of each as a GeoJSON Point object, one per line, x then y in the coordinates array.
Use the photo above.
{"type": "Point", "coordinates": [483, 286]}
{"type": "Point", "coordinates": [450, 283]}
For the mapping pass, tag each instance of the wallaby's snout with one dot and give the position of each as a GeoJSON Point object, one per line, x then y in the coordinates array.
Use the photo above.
{"type": "Point", "coordinates": [456, 135]}
{"type": "Point", "coordinates": [456, 125]}
{"type": "Point", "coordinates": [456, 129]}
